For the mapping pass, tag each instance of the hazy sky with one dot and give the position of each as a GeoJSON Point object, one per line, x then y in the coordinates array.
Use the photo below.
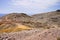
{"type": "Point", "coordinates": [28, 6]}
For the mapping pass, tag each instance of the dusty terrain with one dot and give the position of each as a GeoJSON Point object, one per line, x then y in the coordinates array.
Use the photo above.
{"type": "Point", "coordinates": [20, 26]}
{"type": "Point", "coordinates": [34, 34]}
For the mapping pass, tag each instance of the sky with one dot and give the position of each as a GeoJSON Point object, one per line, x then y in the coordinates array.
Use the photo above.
{"type": "Point", "coordinates": [28, 6]}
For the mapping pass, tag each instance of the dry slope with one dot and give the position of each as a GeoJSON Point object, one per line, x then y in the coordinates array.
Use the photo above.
{"type": "Point", "coordinates": [45, 20]}
{"type": "Point", "coordinates": [51, 19]}
{"type": "Point", "coordinates": [34, 34]}
{"type": "Point", "coordinates": [6, 28]}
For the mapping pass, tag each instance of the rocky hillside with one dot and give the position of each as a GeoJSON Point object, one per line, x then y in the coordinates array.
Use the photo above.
{"type": "Point", "coordinates": [48, 34]}
{"type": "Point", "coordinates": [9, 22]}
{"type": "Point", "coordinates": [34, 34]}
{"type": "Point", "coordinates": [15, 17]}
{"type": "Point", "coordinates": [43, 20]}
{"type": "Point", "coordinates": [20, 26]}
{"type": "Point", "coordinates": [49, 18]}
{"type": "Point", "coordinates": [14, 22]}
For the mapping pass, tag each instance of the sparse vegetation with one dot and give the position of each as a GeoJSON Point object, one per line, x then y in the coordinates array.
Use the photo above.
{"type": "Point", "coordinates": [34, 21]}
{"type": "Point", "coordinates": [36, 27]}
